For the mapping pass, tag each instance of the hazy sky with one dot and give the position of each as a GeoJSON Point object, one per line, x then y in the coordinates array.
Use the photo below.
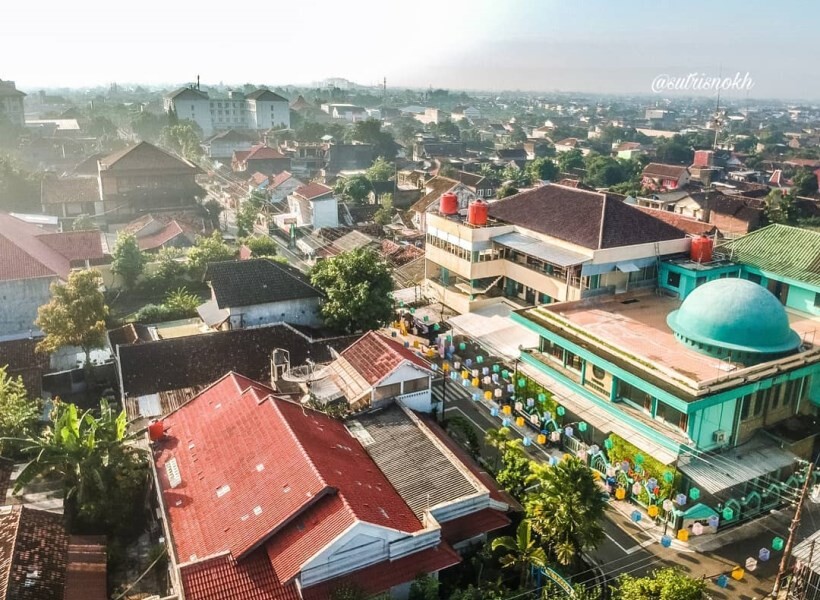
{"type": "Point", "coordinates": [595, 45]}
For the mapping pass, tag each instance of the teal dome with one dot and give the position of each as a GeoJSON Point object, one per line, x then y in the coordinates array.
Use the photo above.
{"type": "Point", "coordinates": [734, 317]}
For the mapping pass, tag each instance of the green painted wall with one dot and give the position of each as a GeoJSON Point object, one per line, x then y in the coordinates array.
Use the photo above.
{"type": "Point", "coordinates": [802, 299]}
{"type": "Point", "coordinates": [814, 389]}
{"type": "Point", "coordinates": [704, 423]}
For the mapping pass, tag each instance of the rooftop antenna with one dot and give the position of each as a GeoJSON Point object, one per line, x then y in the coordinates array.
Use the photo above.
{"type": "Point", "coordinates": [197, 82]}
{"type": "Point", "coordinates": [384, 91]}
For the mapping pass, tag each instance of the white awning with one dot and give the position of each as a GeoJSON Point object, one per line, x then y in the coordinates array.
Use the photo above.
{"type": "Point", "coordinates": [495, 331]}
{"type": "Point", "coordinates": [627, 267]}
{"type": "Point", "coordinates": [550, 253]}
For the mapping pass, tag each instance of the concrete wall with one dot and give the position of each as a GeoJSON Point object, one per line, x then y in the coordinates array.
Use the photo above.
{"type": "Point", "coordinates": [326, 213]}
{"type": "Point", "coordinates": [704, 423]}
{"type": "Point", "coordinates": [802, 299]}
{"type": "Point", "coordinates": [304, 311]}
{"type": "Point", "coordinates": [19, 301]}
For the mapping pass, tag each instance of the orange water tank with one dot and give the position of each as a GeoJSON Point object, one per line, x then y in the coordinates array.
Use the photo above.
{"type": "Point", "coordinates": [449, 204]}
{"type": "Point", "coordinates": [477, 213]}
{"type": "Point", "coordinates": [701, 249]}
{"type": "Point", "coordinates": [155, 431]}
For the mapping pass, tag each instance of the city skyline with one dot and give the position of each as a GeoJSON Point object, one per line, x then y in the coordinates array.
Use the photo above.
{"type": "Point", "coordinates": [520, 45]}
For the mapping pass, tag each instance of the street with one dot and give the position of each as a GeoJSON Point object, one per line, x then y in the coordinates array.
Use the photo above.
{"type": "Point", "coordinates": [635, 549]}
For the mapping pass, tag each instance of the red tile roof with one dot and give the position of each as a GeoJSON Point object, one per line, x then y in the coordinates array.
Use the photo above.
{"type": "Point", "coordinates": [75, 245]}
{"type": "Point", "coordinates": [261, 152]}
{"type": "Point", "coordinates": [382, 576]}
{"type": "Point", "coordinates": [223, 578]}
{"type": "Point", "coordinates": [684, 223]}
{"type": "Point", "coordinates": [144, 156]}
{"type": "Point", "coordinates": [161, 237]}
{"type": "Point", "coordinates": [279, 180]}
{"type": "Point", "coordinates": [297, 480]}
{"type": "Point", "coordinates": [375, 356]}
{"type": "Point", "coordinates": [27, 251]}
{"type": "Point", "coordinates": [258, 178]}
{"type": "Point", "coordinates": [662, 171]}
{"type": "Point", "coordinates": [86, 571]}
{"type": "Point", "coordinates": [313, 190]}
{"type": "Point", "coordinates": [473, 525]}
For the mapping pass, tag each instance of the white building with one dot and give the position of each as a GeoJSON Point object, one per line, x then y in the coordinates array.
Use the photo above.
{"type": "Point", "coordinates": [259, 110]}
{"type": "Point", "coordinates": [346, 112]}
{"type": "Point", "coordinates": [257, 292]}
{"type": "Point", "coordinates": [313, 205]}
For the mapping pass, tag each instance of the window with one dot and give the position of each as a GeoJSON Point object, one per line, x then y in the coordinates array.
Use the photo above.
{"type": "Point", "coordinates": [673, 279]}
{"type": "Point", "coordinates": [672, 416]}
{"type": "Point", "coordinates": [598, 372]}
{"type": "Point", "coordinates": [745, 404]}
{"type": "Point", "coordinates": [817, 300]}
{"type": "Point", "coordinates": [387, 391]}
{"type": "Point", "coordinates": [754, 278]}
{"type": "Point", "coordinates": [759, 402]}
{"type": "Point", "coordinates": [700, 281]}
{"type": "Point", "coordinates": [416, 385]}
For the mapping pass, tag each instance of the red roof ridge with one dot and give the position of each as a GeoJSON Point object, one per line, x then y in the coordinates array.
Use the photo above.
{"type": "Point", "coordinates": [300, 445]}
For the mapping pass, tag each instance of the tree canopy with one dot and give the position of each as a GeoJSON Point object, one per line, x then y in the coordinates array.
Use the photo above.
{"type": "Point", "coordinates": [184, 139]}
{"type": "Point", "coordinates": [208, 249]}
{"type": "Point", "coordinates": [128, 260]}
{"type": "Point", "coordinates": [370, 132]}
{"type": "Point", "coordinates": [380, 170]}
{"type": "Point", "coordinates": [664, 584]}
{"type": "Point", "coordinates": [75, 315]}
{"type": "Point", "coordinates": [18, 414]}
{"type": "Point", "coordinates": [356, 188]}
{"type": "Point", "coordinates": [357, 286]}
{"type": "Point", "coordinates": [572, 159]}
{"type": "Point", "coordinates": [542, 169]}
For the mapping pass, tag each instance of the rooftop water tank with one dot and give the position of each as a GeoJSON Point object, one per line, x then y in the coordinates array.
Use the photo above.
{"type": "Point", "coordinates": [477, 213]}
{"type": "Point", "coordinates": [448, 204]}
{"type": "Point", "coordinates": [701, 249]}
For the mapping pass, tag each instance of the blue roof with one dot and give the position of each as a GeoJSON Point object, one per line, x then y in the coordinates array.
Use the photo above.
{"type": "Point", "coordinates": [735, 314]}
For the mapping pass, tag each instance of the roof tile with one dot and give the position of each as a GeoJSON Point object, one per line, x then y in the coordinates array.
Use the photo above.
{"type": "Point", "coordinates": [375, 356]}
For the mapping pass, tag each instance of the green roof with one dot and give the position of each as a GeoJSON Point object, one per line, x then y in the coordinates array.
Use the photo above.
{"type": "Point", "coordinates": [787, 251]}
{"type": "Point", "coordinates": [699, 512]}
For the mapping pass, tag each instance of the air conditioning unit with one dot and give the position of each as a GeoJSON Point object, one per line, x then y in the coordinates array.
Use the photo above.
{"type": "Point", "coordinates": [719, 436]}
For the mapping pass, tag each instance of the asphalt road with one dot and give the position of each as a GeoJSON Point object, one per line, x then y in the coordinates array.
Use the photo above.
{"type": "Point", "coordinates": [635, 549]}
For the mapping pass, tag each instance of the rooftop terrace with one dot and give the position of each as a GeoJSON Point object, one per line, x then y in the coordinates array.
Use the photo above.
{"type": "Point", "coordinates": [633, 327]}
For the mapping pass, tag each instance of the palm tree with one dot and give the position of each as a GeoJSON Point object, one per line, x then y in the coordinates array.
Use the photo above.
{"type": "Point", "coordinates": [567, 508]}
{"type": "Point", "coordinates": [523, 552]}
{"type": "Point", "coordinates": [498, 439]}
{"type": "Point", "coordinates": [88, 453]}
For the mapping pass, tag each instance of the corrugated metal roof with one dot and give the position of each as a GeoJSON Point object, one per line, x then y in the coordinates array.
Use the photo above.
{"type": "Point", "coordinates": [788, 251]}
{"type": "Point", "coordinates": [808, 551]}
{"type": "Point", "coordinates": [713, 473]}
{"type": "Point", "coordinates": [543, 250]}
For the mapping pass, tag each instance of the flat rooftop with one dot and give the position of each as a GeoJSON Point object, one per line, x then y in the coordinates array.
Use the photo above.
{"type": "Point", "coordinates": [636, 325]}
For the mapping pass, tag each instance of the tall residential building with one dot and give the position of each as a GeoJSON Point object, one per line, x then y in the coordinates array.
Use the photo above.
{"type": "Point", "coordinates": [11, 103]}
{"type": "Point", "coordinates": [259, 110]}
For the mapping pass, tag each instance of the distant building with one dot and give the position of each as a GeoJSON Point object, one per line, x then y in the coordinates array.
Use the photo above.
{"type": "Point", "coordinates": [346, 112]}
{"type": "Point", "coordinates": [128, 183]}
{"type": "Point", "coordinates": [312, 205]}
{"type": "Point", "coordinates": [260, 110]}
{"type": "Point", "coordinates": [260, 159]}
{"type": "Point", "coordinates": [667, 177]}
{"type": "Point", "coordinates": [465, 112]}
{"type": "Point", "coordinates": [223, 145]}
{"type": "Point", "coordinates": [433, 115]}
{"type": "Point", "coordinates": [11, 103]}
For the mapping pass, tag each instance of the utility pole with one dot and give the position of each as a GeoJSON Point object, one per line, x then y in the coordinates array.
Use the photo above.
{"type": "Point", "coordinates": [787, 551]}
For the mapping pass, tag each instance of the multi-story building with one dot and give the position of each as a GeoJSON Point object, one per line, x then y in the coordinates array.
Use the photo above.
{"type": "Point", "coordinates": [128, 183]}
{"type": "Point", "coordinates": [260, 110]}
{"type": "Point", "coordinates": [11, 103]}
{"type": "Point", "coordinates": [549, 244]}
{"type": "Point", "coordinates": [714, 372]}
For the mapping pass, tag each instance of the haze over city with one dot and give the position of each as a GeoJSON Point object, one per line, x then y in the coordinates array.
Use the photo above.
{"type": "Point", "coordinates": [600, 47]}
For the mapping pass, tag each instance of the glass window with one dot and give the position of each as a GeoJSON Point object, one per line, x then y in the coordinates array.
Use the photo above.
{"type": "Point", "coordinates": [671, 416]}
{"type": "Point", "coordinates": [745, 404]}
{"type": "Point", "coordinates": [673, 279]}
{"type": "Point", "coordinates": [416, 385]}
{"type": "Point", "coordinates": [759, 401]}
{"type": "Point", "coordinates": [817, 300]}
{"type": "Point", "coordinates": [754, 278]}
{"type": "Point", "coordinates": [387, 391]}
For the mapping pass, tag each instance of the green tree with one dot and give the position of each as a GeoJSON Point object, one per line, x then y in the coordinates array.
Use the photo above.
{"type": "Point", "coordinates": [780, 207]}
{"type": "Point", "coordinates": [18, 414]}
{"type": "Point", "coordinates": [497, 439]}
{"type": "Point", "coordinates": [213, 208]}
{"type": "Point", "coordinates": [356, 188]}
{"type": "Point", "coordinates": [182, 139]}
{"type": "Point", "coordinates": [522, 552]}
{"type": "Point", "coordinates": [384, 215]}
{"type": "Point", "coordinates": [370, 132]}
{"type": "Point", "coordinates": [128, 261]}
{"type": "Point", "coordinates": [75, 315]}
{"type": "Point", "coordinates": [357, 286]}
{"type": "Point", "coordinates": [675, 150]}
{"type": "Point", "coordinates": [515, 470]}
{"type": "Point", "coordinates": [506, 190]}
{"type": "Point", "coordinates": [805, 182]}
{"type": "Point", "coordinates": [424, 587]}
{"type": "Point", "coordinates": [448, 170]}
{"type": "Point", "coordinates": [246, 218]}
{"type": "Point", "coordinates": [182, 303]}
{"type": "Point", "coordinates": [566, 508]}
{"type": "Point", "coordinates": [19, 189]}
{"type": "Point", "coordinates": [542, 169]}
{"type": "Point", "coordinates": [573, 159]}
{"type": "Point", "coordinates": [208, 249]}
{"type": "Point", "coordinates": [100, 469]}
{"type": "Point", "coordinates": [603, 171]}
{"type": "Point", "coordinates": [262, 245]}
{"type": "Point", "coordinates": [84, 223]}
{"type": "Point", "coordinates": [380, 170]}
{"type": "Point", "coordinates": [664, 584]}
